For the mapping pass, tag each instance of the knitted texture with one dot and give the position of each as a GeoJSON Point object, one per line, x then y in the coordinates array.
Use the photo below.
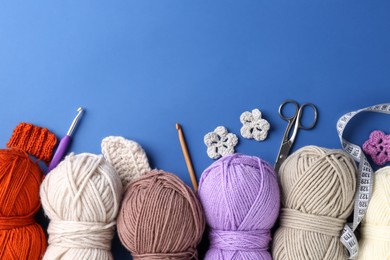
{"type": "Point", "coordinates": [21, 238]}
{"type": "Point", "coordinates": [378, 147]}
{"type": "Point", "coordinates": [253, 126]}
{"type": "Point", "coordinates": [375, 227]}
{"type": "Point", "coordinates": [35, 140]}
{"type": "Point", "coordinates": [126, 156]}
{"type": "Point", "coordinates": [220, 142]}
{"type": "Point", "coordinates": [240, 197]}
{"type": "Point", "coordinates": [81, 196]}
{"type": "Point", "coordinates": [318, 187]}
{"type": "Point", "coordinates": [160, 218]}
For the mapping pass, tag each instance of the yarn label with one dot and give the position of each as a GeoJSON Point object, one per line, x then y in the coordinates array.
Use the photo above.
{"type": "Point", "coordinates": [365, 176]}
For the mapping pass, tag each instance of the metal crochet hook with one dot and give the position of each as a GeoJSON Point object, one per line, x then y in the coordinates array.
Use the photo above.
{"type": "Point", "coordinates": [64, 143]}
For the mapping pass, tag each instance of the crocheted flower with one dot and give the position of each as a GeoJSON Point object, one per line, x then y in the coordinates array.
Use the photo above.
{"type": "Point", "coordinates": [378, 147]}
{"type": "Point", "coordinates": [220, 142]}
{"type": "Point", "coordinates": [254, 126]}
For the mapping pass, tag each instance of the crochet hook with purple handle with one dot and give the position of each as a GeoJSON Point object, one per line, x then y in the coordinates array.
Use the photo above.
{"type": "Point", "coordinates": [64, 143]}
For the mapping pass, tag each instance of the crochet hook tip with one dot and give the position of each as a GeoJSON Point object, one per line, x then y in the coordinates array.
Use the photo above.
{"type": "Point", "coordinates": [80, 112]}
{"type": "Point", "coordinates": [178, 126]}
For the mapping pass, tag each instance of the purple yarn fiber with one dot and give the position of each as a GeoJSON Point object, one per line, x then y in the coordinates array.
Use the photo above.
{"type": "Point", "coordinates": [241, 200]}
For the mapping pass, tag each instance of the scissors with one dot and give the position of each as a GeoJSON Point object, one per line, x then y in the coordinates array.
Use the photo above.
{"type": "Point", "coordinates": [295, 120]}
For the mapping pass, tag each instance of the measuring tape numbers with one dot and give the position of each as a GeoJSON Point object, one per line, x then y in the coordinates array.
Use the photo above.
{"type": "Point", "coordinates": [365, 179]}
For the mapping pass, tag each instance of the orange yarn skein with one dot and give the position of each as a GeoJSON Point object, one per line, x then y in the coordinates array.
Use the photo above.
{"type": "Point", "coordinates": [21, 238]}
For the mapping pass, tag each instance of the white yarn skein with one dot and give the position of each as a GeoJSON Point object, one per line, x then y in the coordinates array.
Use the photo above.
{"type": "Point", "coordinates": [375, 228]}
{"type": "Point", "coordinates": [81, 196]}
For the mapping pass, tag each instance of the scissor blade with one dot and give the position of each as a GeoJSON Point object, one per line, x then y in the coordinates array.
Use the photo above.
{"type": "Point", "coordinates": [282, 155]}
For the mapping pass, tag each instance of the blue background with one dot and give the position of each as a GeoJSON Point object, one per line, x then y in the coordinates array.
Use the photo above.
{"type": "Point", "coordinates": [138, 67]}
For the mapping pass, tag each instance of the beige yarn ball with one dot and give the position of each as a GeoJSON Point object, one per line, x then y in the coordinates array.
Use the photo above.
{"type": "Point", "coordinates": [318, 187]}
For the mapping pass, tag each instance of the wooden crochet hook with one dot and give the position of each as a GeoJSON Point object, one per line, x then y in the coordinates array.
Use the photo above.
{"type": "Point", "coordinates": [187, 156]}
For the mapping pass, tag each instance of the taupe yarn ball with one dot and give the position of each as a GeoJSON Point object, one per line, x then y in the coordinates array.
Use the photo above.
{"type": "Point", "coordinates": [160, 218]}
{"type": "Point", "coordinates": [318, 187]}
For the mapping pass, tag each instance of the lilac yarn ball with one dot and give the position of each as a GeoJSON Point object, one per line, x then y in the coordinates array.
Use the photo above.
{"type": "Point", "coordinates": [241, 200]}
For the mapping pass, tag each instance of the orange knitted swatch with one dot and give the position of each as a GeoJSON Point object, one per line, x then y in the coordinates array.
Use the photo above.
{"type": "Point", "coordinates": [35, 140]}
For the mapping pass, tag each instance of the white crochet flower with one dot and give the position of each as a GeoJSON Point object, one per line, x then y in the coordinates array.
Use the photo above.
{"type": "Point", "coordinates": [254, 126]}
{"type": "Point", "coordinates": [220, 142]}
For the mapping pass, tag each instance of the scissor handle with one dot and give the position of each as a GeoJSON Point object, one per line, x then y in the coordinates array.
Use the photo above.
{"type": "Point", "coordinates": [294, 115]}
{"type": "Point", "coordinates": [300, 112]}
